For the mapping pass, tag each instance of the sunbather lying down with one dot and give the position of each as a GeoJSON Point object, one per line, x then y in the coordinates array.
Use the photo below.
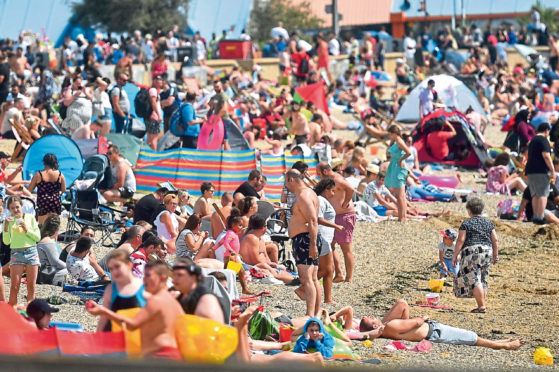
{"type": "Point", "coordinates": [397, 325]}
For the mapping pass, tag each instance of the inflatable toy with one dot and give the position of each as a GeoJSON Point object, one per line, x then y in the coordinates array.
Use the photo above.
{"type": "Point", "coordinates": [204, 340]}
{"type": "Point", "coordinates": [211, 134]}
{"type": "Point", "coordinates": [132, 338]}
{"type": "Point", "coordinates": [441, 181]}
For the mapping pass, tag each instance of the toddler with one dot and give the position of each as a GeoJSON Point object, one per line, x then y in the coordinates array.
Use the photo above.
{"type": "Point", "coordinates": [446, 251]}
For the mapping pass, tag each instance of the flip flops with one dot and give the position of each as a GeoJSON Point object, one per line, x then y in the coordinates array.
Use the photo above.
{"type": "Point", "coordinates": [480, 310]}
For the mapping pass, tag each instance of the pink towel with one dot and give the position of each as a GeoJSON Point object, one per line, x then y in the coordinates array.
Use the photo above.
{"type": "Point", "coordinates": [422, 347]}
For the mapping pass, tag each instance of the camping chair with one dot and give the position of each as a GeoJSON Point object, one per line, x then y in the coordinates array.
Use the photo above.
{"type": "Point", "coordinates": [370, 139]}
{"type": "Point", "coordinates": [23, 139]}
{"type": "Point", "coordinates": [85, 210]}
{"type": "Point", "coordinates": [277, 229]}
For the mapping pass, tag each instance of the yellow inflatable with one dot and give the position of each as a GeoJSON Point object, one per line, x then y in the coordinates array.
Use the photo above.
{"type": "Point", "coordinates": [132, 338]}
{"type": "Point", "coordinates": [204, 340]}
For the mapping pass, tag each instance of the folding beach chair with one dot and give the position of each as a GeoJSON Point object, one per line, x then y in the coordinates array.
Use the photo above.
{"type": "Point", "coordinates": [23, 138]}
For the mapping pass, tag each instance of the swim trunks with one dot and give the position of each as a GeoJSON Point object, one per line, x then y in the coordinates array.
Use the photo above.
{"type": "Point", "coordinates": [166, 352]}
{"type": "Point", "coordinates": [301, 245]}
{"type": "Point", "coordinates": [347, 220]}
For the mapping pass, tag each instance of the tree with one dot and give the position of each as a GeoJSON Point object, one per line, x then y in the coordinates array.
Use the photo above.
{"type": "Point", "coordinates": [548, 16]}
{"type": "Point", "coordinates": [266, 15]}
{"type": "Point", "coordinates": [130, 15]}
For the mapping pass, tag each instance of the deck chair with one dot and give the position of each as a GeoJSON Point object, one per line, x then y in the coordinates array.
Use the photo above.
{"type": "Point", "coordinates": [23, 138]}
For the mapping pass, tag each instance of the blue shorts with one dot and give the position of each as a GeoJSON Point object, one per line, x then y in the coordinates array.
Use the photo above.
{"type": "Point", "coordinates": [108, 115]}
{"type": "Point", "coordinates": [25, 256]}
{"type": "Point", "coordinates": [381, 210]}
{"type": "Point", "coordinates": [449, 267]}
{"type": "Point", "coordinates": [443, 334]}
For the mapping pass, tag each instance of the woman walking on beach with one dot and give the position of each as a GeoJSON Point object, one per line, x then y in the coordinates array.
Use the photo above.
{"type": "Point", "coordinates": [477, 244]}
{"type": "Point", "coordinates": [125, 292]}
{"type": "Point", "coordinates": [50, 185]}
{"type": "Point", "coordinates": [397, 173]}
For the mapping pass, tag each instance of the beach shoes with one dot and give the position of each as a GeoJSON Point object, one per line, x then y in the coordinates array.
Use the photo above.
{"type": "Point", "coordinates": [481, 310]}
{"type": "Point", "coordinates": [57, 300]}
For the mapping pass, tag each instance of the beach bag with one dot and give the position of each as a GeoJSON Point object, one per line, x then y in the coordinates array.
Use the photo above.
{"type": "Point", "coordinates": [261, 325]}
{"type": "Point", "coordinates": [304, 66]}
{"type": "Point", "coordinates": [512, 141]}
{"type": "Point", "coordinates": [142, 104]}
{"type": "Point", "coordinates": [46, 274]}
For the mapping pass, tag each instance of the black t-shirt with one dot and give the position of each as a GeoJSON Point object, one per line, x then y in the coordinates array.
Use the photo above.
{"type": "Point", "coordinates": [247, 190]}
{"type": "Point", "coordinates": [536, 163]}
{"type": "Point", "coordinates": [169, 110]}
{"type": "Point", "coordinates": [553, 193]}
{"type": "Point", "coordinates": [5, 71]}
{"type": "Point", "coordinates": [190, 302]}
{"type": "Point", "coordinates": [147, 208]}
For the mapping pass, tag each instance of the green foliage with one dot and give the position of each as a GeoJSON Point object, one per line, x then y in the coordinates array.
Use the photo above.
{"type": "Point", "coordinates": [130, 15]}
{"type": "Point", "coordinates": [548, 16]}
{"type": "Point", "coordinates": [266, 15]}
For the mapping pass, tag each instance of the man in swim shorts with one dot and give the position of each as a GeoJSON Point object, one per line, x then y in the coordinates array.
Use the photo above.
{"type": "Point", "coordinates": [156, 320]}
{"type": "Point", "coordinates": [303, 230]}
{"type": "Point", "coordinates": [345, 216]}
{"type": "Point", "coordinates": [397, 325]}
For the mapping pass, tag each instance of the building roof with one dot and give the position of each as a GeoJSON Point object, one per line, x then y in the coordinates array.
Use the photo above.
{"type": "Point", "coordinates": [472, 7]}
{"type": "Point", "coordinates": [354, 12]}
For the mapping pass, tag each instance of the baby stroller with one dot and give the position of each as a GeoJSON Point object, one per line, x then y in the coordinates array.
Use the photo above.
{"type": "Point", "coordinates": [277, 230]}
{"type": "Point", "coordinates": [85, 209]}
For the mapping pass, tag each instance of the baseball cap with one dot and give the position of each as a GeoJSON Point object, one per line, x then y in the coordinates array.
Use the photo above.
{"type": "Point", "coordinates": [373, 168]}
{"type": "Point", "coordinates": [158, 77]}
{"type": "Point", "coordinates": [449, 233]}
{"type": "Point", "coordinates": [4, 155]}
{"type": "Point", "coordinates": [39, 306]}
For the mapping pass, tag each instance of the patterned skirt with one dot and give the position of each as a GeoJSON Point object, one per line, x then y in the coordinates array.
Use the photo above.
{"type": "Point", "coordinates": [474, 270]}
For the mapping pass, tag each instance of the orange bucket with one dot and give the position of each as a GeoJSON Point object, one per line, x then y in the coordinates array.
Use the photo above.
{"type": "Point", "coordinates": [374, 150]}
{"type": "Point", "coordinates": [285, 332]}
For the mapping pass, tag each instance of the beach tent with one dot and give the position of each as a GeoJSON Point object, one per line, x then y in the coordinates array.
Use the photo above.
{"type": "Point", "coordinates": [70, 161]}
{"type": "Point", "coordinates": [466, 140]}
{"type": "Point", "coordinates": [128, 145]}
{"type": "Point", "coordinates": [451, 91]}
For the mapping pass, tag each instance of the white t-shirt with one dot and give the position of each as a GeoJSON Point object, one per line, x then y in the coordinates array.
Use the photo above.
{"type": "Point", "coordinates": [372, 189]}
{"type": "Point", "coordinates": [12, 113]}
{"type": "Point", "coordinates": [326, 211]}
{"type": "Point", "coordinates": [334, 47]}
{"type": "Point", "coordinates": [426, 98]}
{"type": "Point", "coordinates": [448, 252]}
{"type": "Point", "coordinates": [81, 269]}
{"type": "Point", "coordinates": [409, 47]}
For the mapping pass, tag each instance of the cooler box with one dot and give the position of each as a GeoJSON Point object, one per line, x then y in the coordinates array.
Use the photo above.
{"type": "Point", "coordinates": [234, 49]}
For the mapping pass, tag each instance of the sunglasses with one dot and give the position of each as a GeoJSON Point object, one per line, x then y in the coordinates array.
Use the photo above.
{"type": "Point", "coordinates": [109, 153]}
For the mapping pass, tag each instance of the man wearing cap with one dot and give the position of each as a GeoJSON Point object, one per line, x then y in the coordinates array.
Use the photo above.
{"type": "Point", "coordinates": [370, 176]}
{"type": "Point", "coordinates": [537, 168]}
{"type": "Point", "coordinates": [446, 252]}
{"type": "Point", "coordinates": [120, 103]}
{"type": "Point", "coordinates": [41, 312]}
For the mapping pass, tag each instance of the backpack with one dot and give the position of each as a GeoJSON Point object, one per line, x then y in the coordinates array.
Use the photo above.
{"type": "Point", "coordinates": [304, 66]}
{"type": "Point", "coordinates": [261, 325]}
{"type": "Point", "coordinates": [142, 104]}
{"type": "Point", "coordinates": [176, 125]}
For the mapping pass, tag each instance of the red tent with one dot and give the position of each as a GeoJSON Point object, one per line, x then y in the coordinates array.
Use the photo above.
{"type": "Point", "coordinates": [315, 93]}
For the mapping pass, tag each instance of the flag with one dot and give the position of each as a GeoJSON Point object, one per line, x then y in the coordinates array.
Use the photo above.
{"type": "Point", "coordinates": [314, 93]}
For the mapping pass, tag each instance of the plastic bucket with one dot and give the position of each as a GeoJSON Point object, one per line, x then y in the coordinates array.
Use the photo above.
{"type": "Point", "coordinates": [436, 285]}
{"type": "Point", "coordinates": [285, 332]}
{"type": "Point", "coordinates": [234, 266]}
{"type": "Point", "coordinates": [374, 150]}
{"type": "Point", "coordinates": [432, 298]}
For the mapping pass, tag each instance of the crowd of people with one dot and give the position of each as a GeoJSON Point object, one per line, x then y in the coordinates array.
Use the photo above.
{"type": "Point", "coordinates": [173, 251]}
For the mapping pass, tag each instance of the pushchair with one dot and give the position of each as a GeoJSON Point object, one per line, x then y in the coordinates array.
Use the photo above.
{"type": "Point", "coordinates": [84, 208]}
{"type": "Point", "coordinates": [277, 229]}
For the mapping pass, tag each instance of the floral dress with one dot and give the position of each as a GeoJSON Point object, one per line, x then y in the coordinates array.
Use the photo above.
{"type": "Point", "coordinates": [494, 184]}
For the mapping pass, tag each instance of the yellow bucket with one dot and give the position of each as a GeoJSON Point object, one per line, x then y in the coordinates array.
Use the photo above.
{"type": "Point", "coordinates": [235, 266]}
{"type": "Point", "coordinates": [436, 285]}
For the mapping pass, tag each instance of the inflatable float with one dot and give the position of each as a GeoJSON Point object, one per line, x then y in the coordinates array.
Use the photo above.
{"type": "Point", "coordinates": [441, 181]}
{"type": "Point", "coordinates": [211, 134]}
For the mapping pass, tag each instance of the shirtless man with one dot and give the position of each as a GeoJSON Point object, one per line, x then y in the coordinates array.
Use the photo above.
{"type": "Point", "coordinates": [20, 65]}
{"type": "Point", "coordinates": [303, 230]}
{"type": "Point", "coordinates": [345, 216]}
{"type": "Point", "coordinates": [156, 320]}
{"type": "Point", "coordinates": [253, 250]}
{"type": "Point", "coordinates": [299, 126]}
{"type": "Point", "coordinates": [315, 126]}
{"type": "Point", "coordinates": [397, 325]}
{"type": "Point", "coordinates": [203, 205]}
{"type": "Point", "coordinates": [88, 131]}
{"type": "Point", "coordinates": [215, 219]}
